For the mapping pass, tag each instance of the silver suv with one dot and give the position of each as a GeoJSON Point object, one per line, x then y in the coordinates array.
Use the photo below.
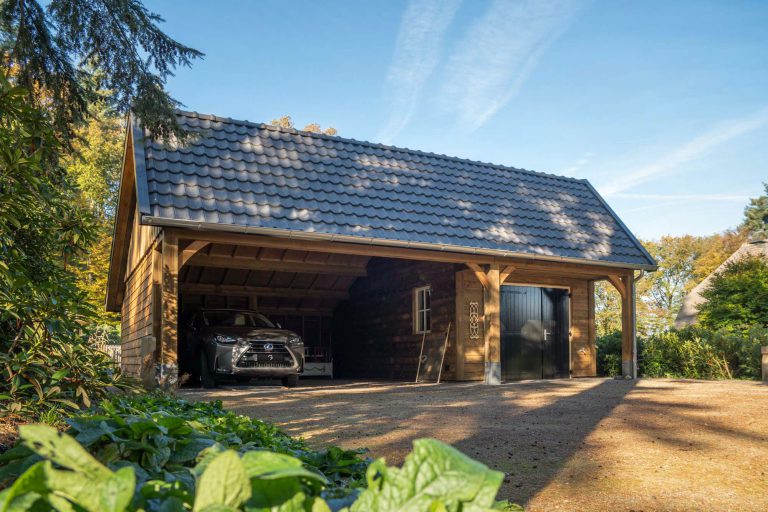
{"type": "Point", "coordinates": [244, 344]}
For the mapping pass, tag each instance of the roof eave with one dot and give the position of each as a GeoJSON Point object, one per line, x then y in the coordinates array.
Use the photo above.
{"type": "Point", "coordinates": [134, 142]}
{"type": "Point", "coordinates": [140, 167]}
{"type": "Point", "coordinates": [326, 237]}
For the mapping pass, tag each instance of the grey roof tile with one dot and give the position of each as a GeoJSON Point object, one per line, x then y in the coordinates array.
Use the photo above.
{"type": "Point", "coordinates": [235, 172]}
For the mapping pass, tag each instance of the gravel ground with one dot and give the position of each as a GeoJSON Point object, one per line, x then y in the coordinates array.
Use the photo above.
{"type": "Point", "coordinates": [582, 444]}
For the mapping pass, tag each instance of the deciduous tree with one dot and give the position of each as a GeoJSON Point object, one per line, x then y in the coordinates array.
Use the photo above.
{"type": "Point", "coordinates": [287, 122]}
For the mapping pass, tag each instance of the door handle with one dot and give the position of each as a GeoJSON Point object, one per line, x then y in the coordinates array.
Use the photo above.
{"type": "Point", "coordinates": [546, 333]}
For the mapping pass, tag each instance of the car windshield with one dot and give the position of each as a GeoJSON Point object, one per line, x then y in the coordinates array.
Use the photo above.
{"type": "Point", "coordinates": [235, 319]}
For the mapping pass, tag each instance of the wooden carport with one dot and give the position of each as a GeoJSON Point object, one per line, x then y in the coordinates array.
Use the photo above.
{"type": "Point", "coordinates": [284, 274]}
{"type": "Point", "coordinates": [300, 222]}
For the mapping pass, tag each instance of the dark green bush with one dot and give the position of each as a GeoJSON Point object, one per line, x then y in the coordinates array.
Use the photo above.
{"type": "Point", "coordinates": [685, 353]}
{"type": "Point", "coordinates": [609, 354]}
{"type": "Point", "coordinates": [737, 296]}
{"type": "Point", "coordinates": [691, 353]}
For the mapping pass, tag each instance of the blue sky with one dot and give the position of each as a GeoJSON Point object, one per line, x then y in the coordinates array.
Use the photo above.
{"type": "Point", "coordinates": [662, 105]}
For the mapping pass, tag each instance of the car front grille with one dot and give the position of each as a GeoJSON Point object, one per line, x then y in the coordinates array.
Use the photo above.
{"type": "Point", "coordinates": [258, 356]}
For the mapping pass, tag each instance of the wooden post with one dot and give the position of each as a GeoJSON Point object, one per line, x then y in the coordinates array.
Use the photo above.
{"type": "Point", "coordinates": [492, 331]}
{"type": "Point", "coordinates": [591, 328]}
{"type": "Point", "coordinates": [150, 348]}
{"type": "Point", "coordinates": [168, 371]}
{"type": "Point", "coordinates": [628, 328]}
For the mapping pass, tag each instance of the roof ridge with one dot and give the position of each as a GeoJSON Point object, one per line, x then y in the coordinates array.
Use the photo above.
{"type": "Point", "coordinates": [293, 131]}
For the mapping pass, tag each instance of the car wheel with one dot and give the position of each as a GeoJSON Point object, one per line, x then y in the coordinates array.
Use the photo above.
{"type": "Point", "coordinates": [206, 377]}
{"type": "Point", "coordinates": [291, 381]}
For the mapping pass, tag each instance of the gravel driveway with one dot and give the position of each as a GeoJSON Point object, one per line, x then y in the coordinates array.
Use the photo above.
{"type": "Point", "coordinates": [582, 444]}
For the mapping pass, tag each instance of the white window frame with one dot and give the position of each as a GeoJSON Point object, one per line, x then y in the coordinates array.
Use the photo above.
{"type": "Point", "coordinates": [420, 314]}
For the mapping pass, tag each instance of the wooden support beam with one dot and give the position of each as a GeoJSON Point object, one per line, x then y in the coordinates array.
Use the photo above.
{"type": "Point", "coordinates": [168, 374]}
{"type": "Point", "coordinates": [618, 283]}
{"type": "Point", "coordinates": [628, 328]}
{"type": "Point", "coordinates": [261, 291]}
{"type": "Point", "coordinates": [564, 268]}
{"type": "Point", "coordinates": [479, 274]}
{"type": "Point", "coordinates": [506, 272]}
{"type": "Point", "coordinates": [203, 260]}
{"type": "Point", "coordinates": [491, 280]}
{"type": "Point", "coordinates": [492, 331]}
{"type": "Point", "coordinates": [190, 250]}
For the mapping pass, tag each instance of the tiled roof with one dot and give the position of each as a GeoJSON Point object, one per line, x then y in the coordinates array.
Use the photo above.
{"type": "Point", "coordinates": [258, 176]}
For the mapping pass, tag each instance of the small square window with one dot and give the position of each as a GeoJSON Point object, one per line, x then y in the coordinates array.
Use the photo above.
{"type": "Point", "coordinates": [422, 309]}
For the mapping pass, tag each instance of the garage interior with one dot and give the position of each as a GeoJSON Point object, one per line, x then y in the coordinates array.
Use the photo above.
{"type": "Point", "coordinates": [299, 290]}
{"type": "Point", "coordinates": [355, 313]}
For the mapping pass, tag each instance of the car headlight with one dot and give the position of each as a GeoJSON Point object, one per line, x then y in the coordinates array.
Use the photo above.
{"type": "Point", "coordinates": [295, 341]}
{"type": "Point", "coordinates": [224, 340]}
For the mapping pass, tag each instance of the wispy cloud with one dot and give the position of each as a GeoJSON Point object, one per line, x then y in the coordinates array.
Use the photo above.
{"type": "Point", "coordinates": [417, 53]}
{"type": "Point", "coordinates": [686, 197]}
{"type": "Point", "coordinates": [692, 150]}
{"type": "Point", "coordinates": [573, 170]}
{"type": "Point", "coordinates": [498, 54]}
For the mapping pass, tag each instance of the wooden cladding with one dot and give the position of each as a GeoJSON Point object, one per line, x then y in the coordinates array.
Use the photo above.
{"type": "Point", "coordinates": [373, 331]}
{"type": "Point", "coordinates": [470, 345]}
{"type": "Point", "coordinates": [136, 321]}
{"type": "Point", "coordinates": [470, 353]}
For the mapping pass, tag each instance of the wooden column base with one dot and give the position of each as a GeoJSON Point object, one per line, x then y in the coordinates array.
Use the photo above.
{"type": "Point", "coordinates": [492, 373]}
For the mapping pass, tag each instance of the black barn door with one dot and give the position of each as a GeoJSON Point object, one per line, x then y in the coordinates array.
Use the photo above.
{"type": "Point", "coordinates": [534, 333]}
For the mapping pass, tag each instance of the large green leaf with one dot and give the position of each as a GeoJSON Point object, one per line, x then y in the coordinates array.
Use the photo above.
{"type": "Point", "coordinates": [283, 495]}
{"type": "Point", "coordinates": [116, 493]}
{"type": "Point", "coordinates": [224, 482]}
{"type": "Point", "coordinates": [434, 476]}
{"type": "Point", "coordinates": [272, 466]}
{"type": "Point", "coordinates": [60, 448]}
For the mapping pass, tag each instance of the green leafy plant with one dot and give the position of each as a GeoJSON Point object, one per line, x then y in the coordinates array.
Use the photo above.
{"type": "Point", "coordinates": [434, 477]}
{"type": "Point", "coordinates": [161, 437]}
{"type": "Point", "coordinates": [609, 354]}
{"type": "Point", "coordinates": [45, 362]}
{"type": "Point", "coordinates": [691, 353]}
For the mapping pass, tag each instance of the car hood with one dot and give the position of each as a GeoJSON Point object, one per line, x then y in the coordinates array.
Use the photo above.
{"type": "Point", "coordinates": [250, 332]}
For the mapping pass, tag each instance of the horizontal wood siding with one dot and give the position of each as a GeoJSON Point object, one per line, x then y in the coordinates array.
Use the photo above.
{"type": "Point", "coordinates": [137, 314]}
{"type": "Point", "coordinates": [142, 239]}
{"type": "Point", "coordinates": [373, 330]}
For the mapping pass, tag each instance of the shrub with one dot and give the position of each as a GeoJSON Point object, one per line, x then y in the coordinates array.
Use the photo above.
{"type": "Point", "coordinates": [691, 353]}
{"type": "Point", "coordinates": [737, 296]}
{"type": "Point", "coordinates": [45, 365]}
{"type": "Point", "coordinates": [162, 436]}
{"type": "Point", "coordinates": [740, 350]}
{"type": "Point", "coordinates": [609, 354]}
{"type": "Point", "coordinates": [47, 377]}
{"type": "Point", "coordinates": [685, 353]}
{"type": "Point", "coordinates": [158, 453]}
